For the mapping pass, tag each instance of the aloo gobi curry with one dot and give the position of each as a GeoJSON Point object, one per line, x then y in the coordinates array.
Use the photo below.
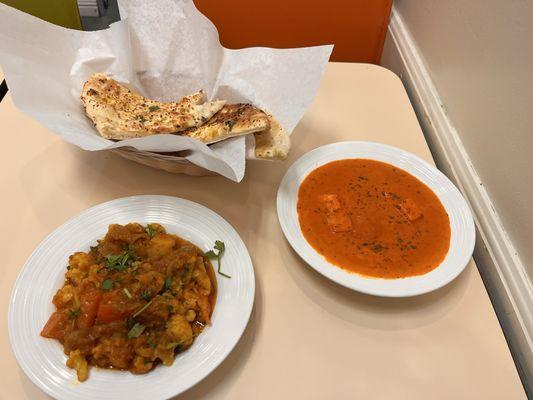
{"type": "Point", "coordinates": [133, 301]}
{"type": "Point", "coordinates": [373, 219]}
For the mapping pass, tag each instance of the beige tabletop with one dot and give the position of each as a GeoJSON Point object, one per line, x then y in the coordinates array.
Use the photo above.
{"type": "Point", "coordinates": [307, 337]}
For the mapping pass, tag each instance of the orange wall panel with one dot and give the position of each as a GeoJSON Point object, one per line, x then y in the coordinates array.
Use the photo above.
{"type": "Point", "coordinates": [357, 28]}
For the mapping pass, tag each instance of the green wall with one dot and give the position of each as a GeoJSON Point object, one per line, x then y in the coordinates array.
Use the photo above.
{"type": "Point", "coordinates": [59, 12]}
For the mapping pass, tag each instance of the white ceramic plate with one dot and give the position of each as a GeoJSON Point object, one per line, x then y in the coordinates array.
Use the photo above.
{"type": "Point", "coordinates": [43, 360]}
{"type": "Point", "coordinates": [462, 226]}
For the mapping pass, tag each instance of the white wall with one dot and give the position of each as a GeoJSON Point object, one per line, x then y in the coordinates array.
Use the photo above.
{"type": "Point", "coordinates": [465, 66]}
{"type": "Point", "coordinates": [480, 57]}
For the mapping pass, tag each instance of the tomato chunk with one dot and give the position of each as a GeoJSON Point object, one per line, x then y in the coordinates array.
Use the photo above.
{"type": "Point", "coordinates": [111, 312]}
{"type": "Point", "coordinates": [111, 309]}
{"type": "Point", "coordinates": [89, 303]}
{"type": "Point", "coordinates": [55, 327]}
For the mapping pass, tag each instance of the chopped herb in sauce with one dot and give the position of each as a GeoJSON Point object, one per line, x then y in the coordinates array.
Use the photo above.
{"type": "Point", "coordinates": [107, 284]}
{"type": "Point", "coordinates": [136, 330]}
{"type": "Point", "coordinates": [142, 309]}
{"type": "Point", "coordinates": [146, 295]}
{"type": "Point", "coordinates": [168, 282]}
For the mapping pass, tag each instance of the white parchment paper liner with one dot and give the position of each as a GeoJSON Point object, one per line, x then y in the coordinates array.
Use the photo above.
{"type": "Point", "coordinates": [164, 49]}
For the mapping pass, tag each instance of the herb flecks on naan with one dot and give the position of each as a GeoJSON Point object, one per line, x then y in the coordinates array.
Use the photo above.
{"type": "Point", "coordinates": [120, 113]}
{"type": "Point", "coordinates": [273, 143]}
{"type": "Point", "coordinates": [232, 120]}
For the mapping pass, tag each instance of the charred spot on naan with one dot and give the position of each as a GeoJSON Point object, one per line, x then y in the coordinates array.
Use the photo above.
{"type": "Point", "coordinates": [232, 120]}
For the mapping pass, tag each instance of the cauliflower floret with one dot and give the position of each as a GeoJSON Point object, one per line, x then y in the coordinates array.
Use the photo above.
{"type": "Point", "coordinates": [203, 280]}
{"type": "Point", "coordinates": [81, 260]}
{"type": "Point", "coordinates": [179, 330]}
{"type": "Point", "coordinates": [114, 352]}
{"type": "Point", "coordinates": [64, 297]}
{"type": "Point", "coordinates": [205, 309]}
{"type": "Point", "coordinates": [165, 355]}
{"type": "Point", "coordinates": [78, 362]}
{"type": "Point", "coordinates": [93, 271]}
{"type": "Point", "coordinates": [141, 365]}
{"type": "Point", "coordinates": [75, 276]}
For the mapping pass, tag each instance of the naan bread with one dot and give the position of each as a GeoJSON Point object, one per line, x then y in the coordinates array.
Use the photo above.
{"type": "Point", "coordinates": [232, 120]}
{"type": "Point", "coordinates": [273, 143]}
{"type": "Point", "coordinates": [119, 113]}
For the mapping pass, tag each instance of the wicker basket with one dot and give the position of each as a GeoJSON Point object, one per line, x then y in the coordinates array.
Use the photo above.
{"type": "Point", "coordinates": [166, 162]}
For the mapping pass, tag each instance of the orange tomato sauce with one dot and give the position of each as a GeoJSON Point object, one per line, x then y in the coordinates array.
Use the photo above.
{"type": "Point", "coordinates": [374, 219]}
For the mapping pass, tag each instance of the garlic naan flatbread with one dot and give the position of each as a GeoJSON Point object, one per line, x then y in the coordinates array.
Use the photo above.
{"type": "Point", "coordinates": [119, 113]}
{"type": "Point", "coordinates": [232, 120]}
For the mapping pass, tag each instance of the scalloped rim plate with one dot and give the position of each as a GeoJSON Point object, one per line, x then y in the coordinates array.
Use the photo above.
{"type": "Point", "coordinates": [461, 223]}
{"type": "Point", "coordinates": [43, 361]}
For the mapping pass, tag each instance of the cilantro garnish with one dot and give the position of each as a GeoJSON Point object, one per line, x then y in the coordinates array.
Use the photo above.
{"type": "Point", "coordinates": [119, 262]}
{"type": "Point", "coordinates": [220, 247]}
{"type": "Point", "coordinates": [151, 231]}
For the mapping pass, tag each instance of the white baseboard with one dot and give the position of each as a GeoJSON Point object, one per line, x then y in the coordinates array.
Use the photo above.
{"type": "Point", "coordinates": [500, 266]}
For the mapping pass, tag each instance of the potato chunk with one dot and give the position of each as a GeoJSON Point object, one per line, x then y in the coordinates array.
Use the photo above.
{"type": "Point", "coordinates": [65, 297]}
{"type": "Point", "coordinates": [179, 330]}
{"type": "Point", "coordinates": [160, 246]}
